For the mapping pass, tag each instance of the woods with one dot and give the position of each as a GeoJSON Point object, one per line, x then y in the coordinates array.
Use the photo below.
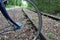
{"type": "Point", "coordinates": [14, 2]}
{"type": "Point", "coordinates": [49, 6]}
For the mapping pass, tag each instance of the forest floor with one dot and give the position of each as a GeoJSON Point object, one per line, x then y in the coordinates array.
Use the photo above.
{"type": "Point", "coordinates": [51, 28]}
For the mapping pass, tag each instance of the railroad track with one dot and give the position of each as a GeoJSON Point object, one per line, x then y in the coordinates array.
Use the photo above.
{"type": "Point", "coordinates": [35, 25]}
{"type": "Point", "coordinates": [28, 17]}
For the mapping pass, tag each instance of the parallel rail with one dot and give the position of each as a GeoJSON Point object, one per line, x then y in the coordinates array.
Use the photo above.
{"type": "Point", "coordinates": [29, 20]}
{"type": "Point", "coordinates": [49, 15]}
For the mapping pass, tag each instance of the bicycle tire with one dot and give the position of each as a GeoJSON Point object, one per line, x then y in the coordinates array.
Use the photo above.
{"type": "Point", "coordinates": [4, 12]}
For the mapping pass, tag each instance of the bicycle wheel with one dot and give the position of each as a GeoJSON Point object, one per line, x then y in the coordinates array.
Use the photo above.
{"type": "Point", "coordinates": [14, 13]}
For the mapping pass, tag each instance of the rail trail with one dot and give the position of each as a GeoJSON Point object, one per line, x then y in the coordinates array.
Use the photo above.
{"type": "Point", "coordinates": [30, 21]}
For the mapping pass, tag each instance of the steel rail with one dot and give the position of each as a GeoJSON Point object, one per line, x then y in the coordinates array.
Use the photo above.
{"type": "Point", "coordinates": [48, 15]}
{"type": "Point", "coordinates": [29, 20]}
